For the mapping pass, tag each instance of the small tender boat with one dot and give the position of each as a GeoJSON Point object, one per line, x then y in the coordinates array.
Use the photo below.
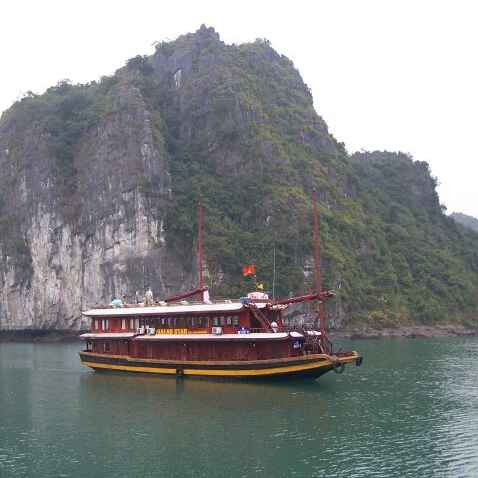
{"type": "Point", "coordinates": [244, 338]}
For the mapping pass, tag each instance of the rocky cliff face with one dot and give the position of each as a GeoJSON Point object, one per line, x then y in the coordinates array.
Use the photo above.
{"type": "Point", "coordinates": [70, 239]}
{"type": "Point", "coordinates": [98, 185]}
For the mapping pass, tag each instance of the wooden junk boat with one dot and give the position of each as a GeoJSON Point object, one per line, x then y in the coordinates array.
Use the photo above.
{"type": "Point", "coordinates": [244, 338]}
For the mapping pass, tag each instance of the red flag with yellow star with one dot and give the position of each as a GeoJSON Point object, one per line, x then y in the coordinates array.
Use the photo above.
{"type": "Point", "coordinates": [249, 270]}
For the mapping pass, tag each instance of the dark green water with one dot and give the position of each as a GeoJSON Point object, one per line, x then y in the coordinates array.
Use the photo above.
{"type": "Point", "coordinates": [410, 410]}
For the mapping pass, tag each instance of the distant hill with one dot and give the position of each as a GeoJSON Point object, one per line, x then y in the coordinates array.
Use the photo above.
{"type": "Point", "coordinates": [467, 221]}
{"type": "Point", "coordinates": [99, 184]}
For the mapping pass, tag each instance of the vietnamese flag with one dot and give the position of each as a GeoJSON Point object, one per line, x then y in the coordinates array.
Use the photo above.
{"type": "Point", "coordinates": [249, 270]}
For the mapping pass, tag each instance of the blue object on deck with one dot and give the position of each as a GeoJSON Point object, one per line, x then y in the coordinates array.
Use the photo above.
{"type": "Point", "coordinates": [116, 303]}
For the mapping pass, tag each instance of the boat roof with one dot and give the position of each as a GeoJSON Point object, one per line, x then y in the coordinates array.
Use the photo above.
{"type": "Point", "coordinates": [108, 335]}
{"type": "Point", "coordinates": [168, 309]}
{"type": "Point", "coordinates": [200, 337]}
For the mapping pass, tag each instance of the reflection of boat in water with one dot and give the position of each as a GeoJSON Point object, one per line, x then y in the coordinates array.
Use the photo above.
{"type": "Point", "coordinates": [243, 338]}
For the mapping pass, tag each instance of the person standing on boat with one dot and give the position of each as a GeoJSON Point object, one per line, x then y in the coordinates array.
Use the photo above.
{"type": "Point", "coordinates": [274, 326]}
{"type": "Point", "coordinates": [148, 297]}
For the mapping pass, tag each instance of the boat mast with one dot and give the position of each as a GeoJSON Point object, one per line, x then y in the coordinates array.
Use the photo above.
{"type": "Point", "coordinates": [200, 289]}
{"type": "Point", "coordinates": [318, 285]}
{"type": "Point", "coordinates": [199, 257]}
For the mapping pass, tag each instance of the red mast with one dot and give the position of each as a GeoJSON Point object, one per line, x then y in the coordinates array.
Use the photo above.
{"type": "Point", "coordinates": [200, 245]}
{"type": "Point", "coordinates": [199, 261]}
{"type": "Point", "coordinates": [318, 285]}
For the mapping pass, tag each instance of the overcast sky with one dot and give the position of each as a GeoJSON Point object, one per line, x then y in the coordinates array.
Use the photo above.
{"type": "Point", "coordinates": [385, 74]}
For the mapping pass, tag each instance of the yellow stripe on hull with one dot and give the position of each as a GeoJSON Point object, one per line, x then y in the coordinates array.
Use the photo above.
{"type": "Point", "coordinates": [216, 373]}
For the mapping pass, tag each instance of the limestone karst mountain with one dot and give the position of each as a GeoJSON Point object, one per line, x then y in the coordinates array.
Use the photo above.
{"type": "Point", "coordinates": [98, 185]}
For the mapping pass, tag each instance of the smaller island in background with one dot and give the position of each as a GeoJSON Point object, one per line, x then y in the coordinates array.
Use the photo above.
{"type": "Point", "coordinates": [468, 221]}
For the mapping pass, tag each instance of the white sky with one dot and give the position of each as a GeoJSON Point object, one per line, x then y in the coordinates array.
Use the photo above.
{"type": "Point", "coordinates": [385, 74]}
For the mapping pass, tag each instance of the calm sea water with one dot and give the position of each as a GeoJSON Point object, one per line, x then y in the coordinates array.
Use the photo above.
{"type": "Point", "coordinates": [410, 410]}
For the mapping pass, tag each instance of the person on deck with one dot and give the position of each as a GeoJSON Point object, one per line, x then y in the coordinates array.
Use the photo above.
{"type": "Point", "coordinates": [148, 297]}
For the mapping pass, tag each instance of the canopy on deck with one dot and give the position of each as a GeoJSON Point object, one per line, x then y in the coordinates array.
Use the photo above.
{"type": "Point", "coordinates": [167, 310]}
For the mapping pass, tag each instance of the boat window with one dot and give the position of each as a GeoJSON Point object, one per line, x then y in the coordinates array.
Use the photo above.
{"type": "Point", "coordinates": [106, 347]}
{"type": "Point", "coordinates": [235, 320]}
{"type": "Point", "coordinates": [215, 321]}
{"type": "Point", "coordinates": [181, 322]}
{"type": "Point", "coordinates": [123, 324]}
{"type": "Point", "coordinates": [131, 324]}
{"type": "Point", "coordinates": [137, 323]}
{"type": "Point", "coordinates": [163, 321]}
{"type": "Point", "coordinates": [193, 321]}
{"type": "Point", "coordinates": [228, 320]}
{"type": "Point", "coordinates": [222, 320]}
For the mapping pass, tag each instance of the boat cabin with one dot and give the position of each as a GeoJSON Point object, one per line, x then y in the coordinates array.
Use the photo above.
{"type": "Point", "coordinates": [242, 330]}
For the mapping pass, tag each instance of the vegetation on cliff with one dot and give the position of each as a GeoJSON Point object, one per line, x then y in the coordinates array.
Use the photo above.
{"type": "Point", "coordinates": [236, 126]}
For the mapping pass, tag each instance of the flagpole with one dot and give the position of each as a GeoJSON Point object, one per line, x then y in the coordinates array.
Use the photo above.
{"type": "Point", "coordinates": [318, 285]}
{"type": "Point", "coordinates": [274, 274]}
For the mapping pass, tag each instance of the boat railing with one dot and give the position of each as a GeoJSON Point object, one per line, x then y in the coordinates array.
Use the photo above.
{"type": "Point", "coordinates": [288, 328]}
{"type": "Point", "coordinates": [314, 342]}
{"type": "Point", "coordinates": [327, 345]}
{"type": "Point", "coordinates": [165, 304]}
